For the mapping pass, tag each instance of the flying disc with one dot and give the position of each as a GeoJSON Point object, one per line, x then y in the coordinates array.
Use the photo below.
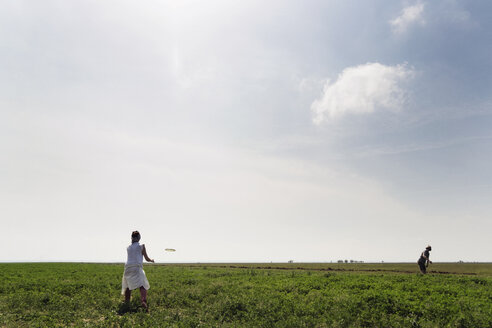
{"type": "Point", "coordinates": [170, 250]}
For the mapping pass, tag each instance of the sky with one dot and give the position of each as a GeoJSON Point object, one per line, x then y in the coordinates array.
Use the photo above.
{"type": "Point", "coordinates": [246, 131]}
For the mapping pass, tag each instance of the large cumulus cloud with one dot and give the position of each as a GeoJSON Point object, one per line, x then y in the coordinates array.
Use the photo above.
{"type": "Point", "coordinates": [363, 89]}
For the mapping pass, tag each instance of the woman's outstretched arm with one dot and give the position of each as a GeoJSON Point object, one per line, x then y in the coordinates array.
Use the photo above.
{"type": "Point", "coordinates": [144, 253]}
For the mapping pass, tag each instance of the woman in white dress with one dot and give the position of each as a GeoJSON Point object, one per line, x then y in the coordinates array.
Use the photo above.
{"type": "Point", "coordinates": [134, 275]}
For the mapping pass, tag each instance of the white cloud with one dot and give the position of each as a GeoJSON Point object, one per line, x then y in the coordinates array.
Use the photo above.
{"type": "Point", "coordinates": [362, 89]}
{"type": "Point", "coordinates": [409, 15]}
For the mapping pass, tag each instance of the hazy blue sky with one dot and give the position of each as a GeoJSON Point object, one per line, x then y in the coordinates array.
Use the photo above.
{"type": "Point", "coordinates": [246, 130]}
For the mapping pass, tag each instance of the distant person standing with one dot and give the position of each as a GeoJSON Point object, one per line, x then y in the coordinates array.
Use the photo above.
{"type": "Point", "coordinates": [134, 275]}
{"type": "Point", "coordinates": [424, 260]}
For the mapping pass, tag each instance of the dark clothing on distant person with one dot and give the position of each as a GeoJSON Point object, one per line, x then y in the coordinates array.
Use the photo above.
{"type": "Point", "coordinates": [424, 256]}
{"type": "Point", "coordinates": [422, 267]}
{"type": "Point", "coordinates": [422, 260]}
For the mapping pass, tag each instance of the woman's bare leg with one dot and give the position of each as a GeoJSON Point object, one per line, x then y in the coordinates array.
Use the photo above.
{"type": "Point", "coordinates": [128, 294]}
{"type": "Point", "coordinates": [143, 297]}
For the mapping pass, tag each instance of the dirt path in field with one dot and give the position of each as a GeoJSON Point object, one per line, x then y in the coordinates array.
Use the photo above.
{"type": "Point", "coordinates": [335, 269]}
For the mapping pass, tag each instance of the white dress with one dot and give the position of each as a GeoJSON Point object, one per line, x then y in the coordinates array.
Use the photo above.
{"type": "Point", "coordinates": [134, 275]}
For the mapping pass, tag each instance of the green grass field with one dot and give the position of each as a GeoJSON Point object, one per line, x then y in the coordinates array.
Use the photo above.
{"type": "Point", "coordinates": [249, 295]}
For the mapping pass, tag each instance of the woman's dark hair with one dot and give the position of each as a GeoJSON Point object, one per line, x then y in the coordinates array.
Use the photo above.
{"type": "Point", "coordinates": [135, 236]}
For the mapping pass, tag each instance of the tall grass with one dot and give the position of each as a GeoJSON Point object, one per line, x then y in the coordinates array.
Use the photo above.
{"type": "Point", "coordinates": [66, 294]}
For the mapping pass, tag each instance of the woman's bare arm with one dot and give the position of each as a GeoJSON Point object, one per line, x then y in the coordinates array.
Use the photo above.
{"type": "Point", "coordinates": [144, 253]}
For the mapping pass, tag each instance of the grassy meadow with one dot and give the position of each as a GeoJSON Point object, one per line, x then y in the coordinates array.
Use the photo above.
{"type": "Point", "coordinates": [248, 295]}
